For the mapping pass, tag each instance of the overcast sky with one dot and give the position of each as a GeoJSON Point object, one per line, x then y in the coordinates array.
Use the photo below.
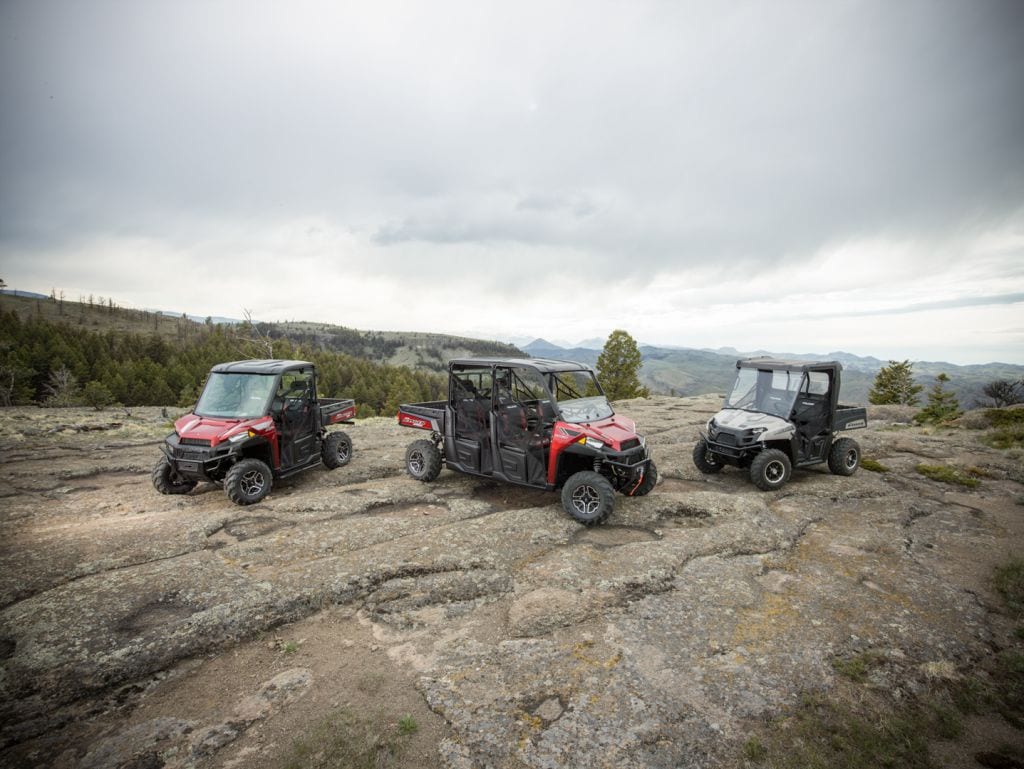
{"type": "Point", "coordinates": [795, 176]}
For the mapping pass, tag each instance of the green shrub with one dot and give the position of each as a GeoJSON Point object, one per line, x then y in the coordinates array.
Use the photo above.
{"type": "Point", "coordinates": [857, 667]}
{"type": "Point", "coordinates": [946, 474]}
{"type": "Point", "coordinates": [352, 741]}
{"type": "Point", "coordinates": [407, 725]}
{"type": "Point", "coordinates": [1009, 583]}
{"type": "Point", "coordinates": [97, 395]}
{"type": "Point", "coordinates": [1005, 437]}
{"type": "Point", "coordinates": [1005, 417]}
{"type": "Point", "coordinates": [754, 750]}
{"type": "Point", "coordinates": [873, 465]}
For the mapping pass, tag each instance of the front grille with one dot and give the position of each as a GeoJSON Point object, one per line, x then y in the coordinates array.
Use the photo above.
{"type": "Point", "coordinates": [726, 439]}
{"type": "Point", "coordinates": [193, 441]}
{"type": "Point", "coordinates": [193, 456]}
{"type": "Point", "coordinates": [632, 443]}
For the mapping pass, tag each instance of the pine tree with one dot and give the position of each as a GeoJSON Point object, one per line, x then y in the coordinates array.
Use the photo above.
{"type": "Point", "coordinates": [942, 404]}
{"type": "Point", "coordinates": [618, 367]}
{"type": "Point", "coordinates": [894, 384]}
{"type": "Point", "coordinates": [97, 395]}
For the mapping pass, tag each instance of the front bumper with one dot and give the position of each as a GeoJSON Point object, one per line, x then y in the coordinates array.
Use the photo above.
{"type": "Point", "coordinates": [198, 462]}
{"type": "Point", "coordinates": [735, 445]}
{"type": "Point", "coordinates": [631, 465]}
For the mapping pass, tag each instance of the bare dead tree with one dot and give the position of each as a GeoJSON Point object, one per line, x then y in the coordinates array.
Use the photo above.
{"type": "Point", "coordinates": [61, 388]}
{"type": "Point", "coordinates": [263, 343]}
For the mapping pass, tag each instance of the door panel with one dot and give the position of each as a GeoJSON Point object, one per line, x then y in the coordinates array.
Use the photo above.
{"type": "Point", "coordinates": [298, 418]}
{"type": "Point", "coordinates": [518, 425]}
{"type": "Point", "coordinates": [470, 400]}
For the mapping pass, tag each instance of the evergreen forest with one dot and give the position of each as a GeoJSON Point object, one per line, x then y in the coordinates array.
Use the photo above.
{"type": "Point", "coordinates": [57, 353]}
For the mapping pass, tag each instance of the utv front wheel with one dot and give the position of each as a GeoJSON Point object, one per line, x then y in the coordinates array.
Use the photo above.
{"type": "Point", "coordinates": [167, 481]}
{"type": "Point", "coordinates": [704, 459]}
{"type": "Point", "coordinates": [248, 481]}
{"type": "Point", "coordinates": [770, 470]}
{"type": "Point", "coordinates": [337, 450]}
{"type": "Point", "coordinates": [588, 497]}
{"type": "Point", "coordinates": [423, 461]}
{"type": "Point", "coordinates": [844, 457]}
{"type": "Point", "coordinates": [646, 483]}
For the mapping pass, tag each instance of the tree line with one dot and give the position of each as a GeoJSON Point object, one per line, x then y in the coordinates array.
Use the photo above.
{"type": "Point", "coordinates": [894, 384]}
{"type": "Point", "coordinates": [54, 363]}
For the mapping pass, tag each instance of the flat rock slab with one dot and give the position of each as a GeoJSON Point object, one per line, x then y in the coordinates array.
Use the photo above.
{"type": "Point", "coordinates": [525, 639]}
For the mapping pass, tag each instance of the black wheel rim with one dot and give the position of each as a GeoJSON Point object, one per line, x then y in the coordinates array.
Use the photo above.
{"type": "Point", "coordinates": [416, 462]}
{"type": "Point", "coordinates": [586, 501]}
{"type": "Point", "coordinates": [851, 459]}
{"type": "Point", "coordinates": [774, 472]}
{"type": "Point", "coordinates": [342, 452]}
{"type": "Point", "coordinates": [252, 483]}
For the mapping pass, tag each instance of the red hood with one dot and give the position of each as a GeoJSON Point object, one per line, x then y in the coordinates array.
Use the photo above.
{"type": "Point", "coordinates": [613, 430]}
{"type": "Point", "coordinates": [214, 429]}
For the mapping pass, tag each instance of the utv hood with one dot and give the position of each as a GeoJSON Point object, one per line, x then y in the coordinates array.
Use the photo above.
{"type": "Point", "coordinates": [613, 430]}
{"type": "Point", "coordinates": [738, 419]}
{"type": "Point", "coordinates": [214, 429]}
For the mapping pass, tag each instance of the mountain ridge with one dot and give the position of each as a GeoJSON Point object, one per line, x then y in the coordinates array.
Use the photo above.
{"type": "Point", "coordinates": [695, 371]}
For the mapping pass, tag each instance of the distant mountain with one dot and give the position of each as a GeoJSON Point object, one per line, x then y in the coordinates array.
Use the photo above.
{"type": "Point", "coordinates": [597, 343]}
{"type": "Point", "coordinates": [542, 348]}
{"type": "Point", "coordinates": [689, 371]}
{"type": "Point", "coordinates": [849, 360]}
{"type": "Point", "coordinates": [27, 294]}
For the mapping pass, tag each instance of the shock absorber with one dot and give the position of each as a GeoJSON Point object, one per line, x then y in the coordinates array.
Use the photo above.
{"type": "Point", "coordinates": [597, 464]}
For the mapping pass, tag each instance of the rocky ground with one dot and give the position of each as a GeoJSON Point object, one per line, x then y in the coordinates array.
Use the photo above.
{"type": "Point", "coordinates": [468, 624]}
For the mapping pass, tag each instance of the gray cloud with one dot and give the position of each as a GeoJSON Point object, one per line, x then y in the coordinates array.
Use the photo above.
{"type": "Point", "coordinates": [630, 137]}
{"type": "Point", "coordinates": [994, 300]}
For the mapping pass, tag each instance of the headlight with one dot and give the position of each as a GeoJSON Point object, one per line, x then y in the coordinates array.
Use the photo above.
{"type": "Point", "coordinates": [239, 437]}
{"type": "Point", "coordinates": [594, 444]}
{"type": "Point", "coordinates": [756, 430]}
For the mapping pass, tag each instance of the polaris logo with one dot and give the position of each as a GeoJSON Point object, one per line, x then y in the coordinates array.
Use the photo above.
{"type": "Point", "coordinates": [856, 423]}
{"type": "Point", "coordinates": [409, 421]}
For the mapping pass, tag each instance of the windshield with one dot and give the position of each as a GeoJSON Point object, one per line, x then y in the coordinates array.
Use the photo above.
{"type": "Point", "coordinates": [766, 391]}
{"type": "Point", "coordinates": [579, 396]}
{"type": "Point", "coordinates": [236, 396]}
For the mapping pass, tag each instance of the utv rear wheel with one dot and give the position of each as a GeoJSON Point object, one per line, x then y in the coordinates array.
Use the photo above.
{"type": "Point", "coordinates": [167, 481]}
{"type": "Point", "coordinates": [337, 450]}
{"type": "Point", "coordinates": [248, 481]}
{"type": "Point", "coordinates": [770, 470]}
{"type": "Point", "coordinates": [423, 461]}
{"type": "Point", "coordinates": [588, 497]}
{"type": "Point", "coordinates": [704, 459]}
{"type": "Point", "coordinates": [646, 483]}
{"type": "Point", "coordinates": [844, 457]}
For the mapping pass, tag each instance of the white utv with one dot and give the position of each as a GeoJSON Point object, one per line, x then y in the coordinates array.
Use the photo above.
{"type": "Point", "coordinates": [779, 415]}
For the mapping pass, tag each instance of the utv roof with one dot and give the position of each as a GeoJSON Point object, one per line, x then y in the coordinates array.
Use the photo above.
{"type": "Point", "coordinates": [544, 365]}
{"type": "Point", "coordinates": [787, 365]}
{"type": "Point", "coordinates": [259, 366]}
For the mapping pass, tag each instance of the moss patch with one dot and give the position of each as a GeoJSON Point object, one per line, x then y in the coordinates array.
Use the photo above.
{"type": "Point", "coordinates": [873, 465]}
{"type": "Point", "coordinates": [946, 474]}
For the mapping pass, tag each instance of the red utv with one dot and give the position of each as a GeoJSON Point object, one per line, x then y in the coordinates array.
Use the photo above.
{"type": "Point", "coordinates": [256, 421]}
{"type": "Point", "coordinates": [540, 423]}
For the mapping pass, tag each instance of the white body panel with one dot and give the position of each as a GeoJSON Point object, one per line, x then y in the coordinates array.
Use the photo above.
{"type": "Point", "coordinates": [775, 428]}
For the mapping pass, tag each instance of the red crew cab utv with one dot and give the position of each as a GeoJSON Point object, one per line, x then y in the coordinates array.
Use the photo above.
{"type": "Point", "coordinates": [540, 423]}
{"type": "Point", "coordinates": [256, 420]}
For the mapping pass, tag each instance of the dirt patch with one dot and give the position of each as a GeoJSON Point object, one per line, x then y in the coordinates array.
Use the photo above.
{"type": "Point", "coordinates": [613, 536]}
{"type": "Point", "coordinates": [509, 497]}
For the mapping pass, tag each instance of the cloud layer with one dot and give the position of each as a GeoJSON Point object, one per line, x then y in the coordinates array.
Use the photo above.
{"type": "Point", "coordinates": [677, 156]}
